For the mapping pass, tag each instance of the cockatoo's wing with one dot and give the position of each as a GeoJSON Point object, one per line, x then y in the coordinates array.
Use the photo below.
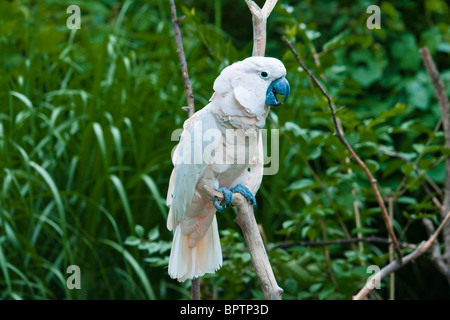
{"type": "Point", "coordinates": [191, 158]}
{"type": "Point", "coordinates": [196, 243]}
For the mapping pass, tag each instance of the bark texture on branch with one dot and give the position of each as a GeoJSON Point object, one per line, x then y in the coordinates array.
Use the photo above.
{"type": "Point", "coordinates": [247, 222]}
{"type": "Point", "coordinates": [259, 20]}
{"type": "Point", "coordinates": [245, 217]}
{"type": "Point", "coordinates": [184, 71]}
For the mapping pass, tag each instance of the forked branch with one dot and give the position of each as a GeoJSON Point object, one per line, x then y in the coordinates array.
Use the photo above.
{"type": "Point", "coordinates": [259, 19]}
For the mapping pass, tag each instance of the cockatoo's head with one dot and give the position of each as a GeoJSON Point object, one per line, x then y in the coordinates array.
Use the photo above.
{"type": "Point", "coordinates": [254, 82]}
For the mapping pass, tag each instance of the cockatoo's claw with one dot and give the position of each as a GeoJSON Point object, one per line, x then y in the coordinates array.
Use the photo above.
{"type": "Point", "coordinates": [246, 193]}
{"type": "Point", "coordinates": [228, 195]}
{"type": "Point", "coordinates": [228, 199]}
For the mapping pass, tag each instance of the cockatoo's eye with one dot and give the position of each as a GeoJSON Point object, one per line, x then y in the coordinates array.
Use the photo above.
{"type": "Point", "coordinates": [264, 74]}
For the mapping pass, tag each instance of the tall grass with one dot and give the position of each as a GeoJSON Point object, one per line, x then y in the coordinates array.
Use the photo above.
{"type": "Point", "coordinates": [82, 117]}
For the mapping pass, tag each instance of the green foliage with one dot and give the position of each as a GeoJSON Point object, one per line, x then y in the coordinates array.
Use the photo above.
{"type": "Point", "coordinates": [84, 171]}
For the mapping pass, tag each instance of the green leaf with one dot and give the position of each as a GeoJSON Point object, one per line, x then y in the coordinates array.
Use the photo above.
{"type": "Point", "coordinates": [153, 234]}
{"type": "Point", "coordinates": [123, 197]}
{"type": "Point", "coordinates": [326, 292]}
{"type": "Point", "coordinates": [406, 46]}
{"type": "Point", "coordinates": [296, 130]}
{"type": "Point", "coordinates": [372, 165]}
{"type": "Point", "coordinates": [302, 184]}
{"type": "Point", "coordinates": [368, 69]}
{"type": "Point", "coordinates": [437, 6]}
{"type": "Point", "coordinates": [139, 230]}
{"type": "Point", "coordinates": [132, 241]}
{"type": "Point", "coordinates": [407, 200]}
{"type": "Point", "coordinates": [315, 287]}
{"type": "Point", "coordinates": [291, 285]}
{"type": "Point", "coordinates": [407, 168]}
{"type": "Point", "coordinates": [443, 47]}
{"type": "Point", "coordinates": [160, 201]}
{"type": "Point", "coordinates": [446, 151]}
{"type": "Point", "coordinates": [418, 95]}
{"type": "Point", "coordinates": [23, 98]}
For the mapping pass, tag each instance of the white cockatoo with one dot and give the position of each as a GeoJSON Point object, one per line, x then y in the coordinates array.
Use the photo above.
{"type": "Point", "coordinates": [208, 154]}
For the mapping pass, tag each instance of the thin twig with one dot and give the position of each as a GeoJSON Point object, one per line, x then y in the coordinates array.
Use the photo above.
{"type": "Point", "coordinates": [391, 200]}
{"type": "Point", "coordinates": [327, 255]}
{"type": "Point", "coordinates": [358, 160]}
{"type": "Point", "coordinates": [355, 207]}
{"type": "Point", "coordinates": [444, 106]}
{"type": "Point", "coordinates": [195, 283]}
{"type": "Point", "coordinates": [436, 255]}
{"type": "Point", "coordinates": [394, 266]}
{"type": "Point", "coordinates": [184, 72]}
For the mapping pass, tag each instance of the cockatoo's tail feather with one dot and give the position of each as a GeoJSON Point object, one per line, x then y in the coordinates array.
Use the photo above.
{"type": "Point", "coordinates": [193, 262]}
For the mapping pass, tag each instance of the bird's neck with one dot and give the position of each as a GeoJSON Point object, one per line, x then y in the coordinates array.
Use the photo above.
{"type": "Point", "coordinates": [230, 115]}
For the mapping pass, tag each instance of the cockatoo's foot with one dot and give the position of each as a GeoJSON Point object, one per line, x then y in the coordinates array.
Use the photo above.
{"type": "Point", "coordinates": [246, 193]}
{"type": "Point", "coordinates": [228, 199]}
{"type": "Point", "coordinates": [228, 194]}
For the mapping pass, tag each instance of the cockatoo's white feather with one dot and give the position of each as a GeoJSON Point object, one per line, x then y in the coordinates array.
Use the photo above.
{"type": "Point", "coordinates": [238, 102]}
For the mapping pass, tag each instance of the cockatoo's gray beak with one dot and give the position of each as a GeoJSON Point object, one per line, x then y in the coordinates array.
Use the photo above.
{"type": "Point", "coordinates": [279, 86]}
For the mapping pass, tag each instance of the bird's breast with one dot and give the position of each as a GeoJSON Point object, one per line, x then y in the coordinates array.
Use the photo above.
{"type": "Point", "coordinates": [234, 155]}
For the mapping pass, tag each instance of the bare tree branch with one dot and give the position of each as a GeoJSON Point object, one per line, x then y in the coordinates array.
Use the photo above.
{"type": "Point", "coordinates": [187, 83]}
{"type": "Point", "coordinates": [245, 217]}
{"type": "Point", "coordinates": [444, 106]}
{"type": "Point", "coordinates": [246, 221]}
{"type": "Point", "coordinates": [394, 266]}
{"type": "Point", "coordinates": [340, 136]}
{"type": "Point", "coordinates": [259, 19]}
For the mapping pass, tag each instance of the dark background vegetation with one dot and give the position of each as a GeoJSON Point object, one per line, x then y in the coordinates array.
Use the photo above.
{"type": "Point", "coordinates": [86, 118]}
